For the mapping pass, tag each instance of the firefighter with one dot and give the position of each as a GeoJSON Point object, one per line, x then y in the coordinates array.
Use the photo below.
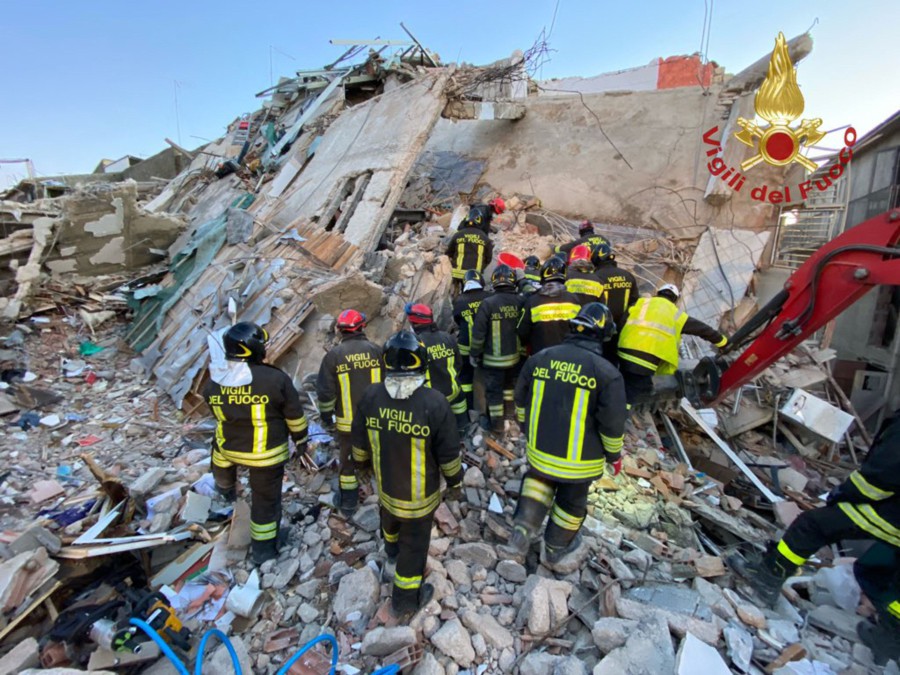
{"type": "Point", "coordinates": [580, 277]}
{"type": "Point", "coordinates": [532, 270]}
{"type": "Point", "coordinates": [620, 288]}
{"type": "Point", "coordinates": [865, 506]}
{"type": "Point", "coordinates": [495, 346]}
{"type": "Point", "coordinates": [482, 214]}
{"type": "Point", "coordinates": [546, 314]}
{"type": "Point", "coordinates": [257, 408]}
{"type": "Point", "coordinates": [648, 344]}
{"type": "Point", "coordinates": [470, 248]}
{"type": "Point", "coordinates": [464, 309]}
{"type": "Point", "coordinates": [406, 431]}
{"type": "Point", "coordinates": [586, 235]}
{"type": "Point", "coordinates": [344, 374]}
{"type": "Point", "coordinates": [570, 403]}
{"type": "Point", "coordinates": [444, 360]}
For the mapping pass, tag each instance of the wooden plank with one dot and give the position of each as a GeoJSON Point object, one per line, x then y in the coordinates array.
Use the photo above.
{"type": "Point", "coordinates": [499, 449]}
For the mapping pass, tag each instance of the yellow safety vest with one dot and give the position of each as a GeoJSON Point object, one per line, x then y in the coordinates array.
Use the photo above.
{"type": "Point", "coordinates": [654, 326]}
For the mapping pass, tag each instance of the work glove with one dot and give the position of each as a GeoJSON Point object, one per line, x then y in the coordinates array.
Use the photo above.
{"type": "Point", "coordinates": [836, 495]}
{"type": "Point", "coordinates": [454, 492]}
{"type": "Point", "coordinates": [328, 421]}
{"type": "Point", "coordinates": [475, 361]}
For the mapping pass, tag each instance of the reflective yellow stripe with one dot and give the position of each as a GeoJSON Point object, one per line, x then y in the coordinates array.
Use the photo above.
{"type": "Point", "coordinates": [559, 467]}
{"type": "Point", "coordinates": [520, 414]}
{"type": "Point", "coordinates": [359, 454]}
{"type": "Point", "coordinates": [867, 489]}
{"type": "Point", "coordinates": [327, 406]}
{"type": "Point", "coordinates": [495, 361]}
{"type": "Point", "coordinates": [612, 445]}
{"type": "Point", "coordinates": [638, 360]}
{"type": "Point", "coordinates": [390, 538]}
{"type": "Point", "coordinates": [260, 427]}
{"type": "Point", "coordinates": [538, 490]}
{"type": "Point", "coordinates": [860, 521]}
{"type": "Point", "coordinates": [577, 422]}
{"type": "Point", "coordinates": [451, 370]}
{"type": "Point", "coordinates": [408, 509]}
{"type": "Point", "coordinates": [460, 406]}
{"type": "Point", "coordinates": [256, 459]}
{"type": "Point", "coordinates": [460, 254]}
{"type": "Point", "coordinates": [872, 515]}
{"type": "Point", "coordinates": [561, 311]}
{"type": "Point", "coordinates": [894, 608]}
{"type": "Point", "coordinates": [348, 482]}
{"type": "Point", "coordinates": [496, 345]}
{"type": "Point", "coordinates": [345, 421]}
{"type": "Point", "coordinates": [585, 286]}
{"type": "Point", "coordinates": [375, 446]}
{"type": "Point", "coordinates": [537, 399]}
{"type": "Point", "coordinates": [220, 431]}
{"type": "Point", "coordinates": [565, 520]}
{"type": "Point", "coordinates": [417, 466]}
{"type": "Point", "coordinates": [452, 467]}
{"type": "Point", "coordinates": [509, 394]}
{"type": "Point", "coordinates": [264, 531]}
{"type": "Point", "coordinates": [467, 388]}
{"type": "Point", "coordinates": [722, 342]}
{"type": "Point", "coordinates": [786, 551]}
{"type": "Point", "coordinates": [297, 425]}
{"type": "Point", "coordinates": [218, 459]}
{"type": "Point", "coordinates": [376, 375]}
{"type": "Point", "coordinates": [479, 260]}
{"type": "Point", "coordinates": [496, 410]}
{"type": "Point", "coordinates": [407, 583]}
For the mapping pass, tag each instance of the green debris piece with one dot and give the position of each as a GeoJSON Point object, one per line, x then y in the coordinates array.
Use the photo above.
{"type": "Point", "coordinates": [87, 348]}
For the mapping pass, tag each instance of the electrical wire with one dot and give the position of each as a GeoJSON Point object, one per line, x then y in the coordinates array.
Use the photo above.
{"type": "Point", "coordinates": [309, 645]}
{"type": "Point", "coordinates": [162, 644]}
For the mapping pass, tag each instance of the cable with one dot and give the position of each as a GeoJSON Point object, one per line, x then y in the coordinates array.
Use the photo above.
{"type": "Point", "coordinates": [162, 644]}
{"type": "Point", "coordinates": [215, 632]}
{"type": "Point", "coordinates": [322, 638]}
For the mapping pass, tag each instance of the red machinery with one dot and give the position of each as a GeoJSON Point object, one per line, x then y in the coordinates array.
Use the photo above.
{"type": "Point", "coordinates": [834, 277]}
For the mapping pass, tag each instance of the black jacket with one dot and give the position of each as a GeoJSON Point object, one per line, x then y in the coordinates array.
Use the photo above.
{"type": "Point", "coordinates": [590, 240]}
{"type": "Point", "coordinates": [481, 215]}
{"type": "Point", "coordinates": [444, 361]}
{"type": "Point", "coordinates": [584, 284]}
{"type": "Point", "coordinates": [620, 290]}
{"type": "Point", "coordinates": [494, 334]}
{"type": "Point", "coordinates": [572, 404]}
{"type": "Point", "coordinates": [464, 310]}
{"type": "Point", "coordinates": [255, 420]}
{"type": "Point", "coordinates": [469, 249]}
{"type": "Point", "coordinates": [410, 443]}
{"type": "Point", "coordinates": [545, 316]}
{"type": "Point", "coordinates": [344, 374]}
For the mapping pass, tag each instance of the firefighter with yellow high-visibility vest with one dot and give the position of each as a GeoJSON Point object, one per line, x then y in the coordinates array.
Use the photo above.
{"type": "Point", "coordinates": [470, 248]}
{"type": "Point", "coordinates": [580, 277]}
{"type": "Point", "coordinates": [257, 409]}
{"type": "Point", "coordinates": [546, 313]}
{"type": "Point", "coordinates": [345, 372]}
{"type": "Point", "coordinates": [865, 506]}
{"type": "Point", "coordinates": [464, 309]}
{"type": "Point", "coordinates": [407, 433]}
{"type": "Point", "coordinates": [444, 359]}
{"type": "Point", "coordinates": [648, 343]}
{"type": "Point", "coordinates": [570, 402]}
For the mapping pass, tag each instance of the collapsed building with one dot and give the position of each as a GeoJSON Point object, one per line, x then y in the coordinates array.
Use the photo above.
{"type": "Point", "coordinates": [338, 193]}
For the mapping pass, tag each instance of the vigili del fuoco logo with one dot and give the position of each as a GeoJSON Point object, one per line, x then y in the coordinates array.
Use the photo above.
{"type": "Point", "coordinates": [779, 103]}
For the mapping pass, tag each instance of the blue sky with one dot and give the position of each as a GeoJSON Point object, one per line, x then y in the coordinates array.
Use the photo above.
{"type": "Point", "coordinates": [88, 79]}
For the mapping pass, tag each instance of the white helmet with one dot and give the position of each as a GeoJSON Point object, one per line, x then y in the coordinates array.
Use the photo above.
{"type": "Point", "coordinates": [671, 288]}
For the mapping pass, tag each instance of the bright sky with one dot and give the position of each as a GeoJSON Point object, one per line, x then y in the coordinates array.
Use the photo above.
{"type": "Point", "coordinates": [93, 79]}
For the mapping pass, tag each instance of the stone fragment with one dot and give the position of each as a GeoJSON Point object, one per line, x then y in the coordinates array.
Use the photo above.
{"type": "Point", "coordinates": [740, 646]}
{"type": "Point", "coordinates": [33, 538]}
{"type": "Point", "coordinates": [749, 614]}
{"type": "Point", "coordinates": [383, 641]}
{"type": "Point", "coordinates": [453, 640]}
{"type": "Point", "coordinates": [639, 558]}
{"type": "Point", "coordinates": [307, 613]}
{"type": "Point", "coordinates": [538, 663]}
{"type": "Point", "coordinates": [835, 621]}
{"type": "Point", "coordinates": [612, 632]}
{"type": "Point", "coordinates": [713, 596]}
{"type": "Point", "coordinates": [611, 536]}
{"type": "Point", "coordinates": [570, 562]}
{"type": "Point", "coordinates": [220, 662]}
{"type": "Point", "coordinates": [694, 656]}
{"type": "Point", "coordinates": [783, 630]}
{"type": "Point", "coordinates": [486, 626]}
{"type": "Point", "coordinates": [569, 665]}
{"type": "Point", "coordinates": [24, 655]}
{"type": "Point", "coordinates": [545, 603]}
{"type": "Point", "coordinates": [359, 591]}
{"type": "Point", "coordinates": [474, 478]}
{"type": "Point", "coordinates": [284, 574]}
{"type": "Point", "coordinates": [458, 573]}
{"type": "Point", "coordinates": [476, 553]}
{"type": "Point", "coordinates": [147, 481]}
{"type": "Point", "coordinates": [512, 571]}
{"type": "Point", "coordinates": [648, 645]}
{"type": "Point", "coordinates": [679, 624]}
{"type": "Point", "coordinates": [368, 518]}
{"type": "Point", "coordinates": [429, 665]}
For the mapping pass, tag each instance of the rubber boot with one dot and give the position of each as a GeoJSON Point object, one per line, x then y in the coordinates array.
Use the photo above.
{"type": "Point", "coordinates": [509, 410]}
{"type": "Point", "coordinates": [765, 574]}
{"type": "Point", "coordinates": [404, 605]}
{"type": "Point", "coordinates": [517, 547]}
{"type": "Point", "coordinates": [462, 422]}
{"type": "Point", "coordinates": [349, 500]}
{"type": "Point", "coordinates": [553, 554]}
{"type": "Point", "coordinates": [261, 551]}
{"type": "Point", "coordinates": [882, 638]}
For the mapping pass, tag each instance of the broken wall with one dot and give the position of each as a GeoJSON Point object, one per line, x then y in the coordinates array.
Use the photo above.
{"type": "Point", "coordinates": [558, 152]}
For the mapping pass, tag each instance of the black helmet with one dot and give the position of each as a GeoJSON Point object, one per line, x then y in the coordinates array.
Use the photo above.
{"type": "Point", "coordinates": [405, 355]}
{"type": "Point", "coordinates": [602, 252]}
{"type": "Point", "coordinates": [473, 275]}
{"type": "Point", "coordinates": [553, 270]}
{"type": "Point", "coordinates": [503, 277]}
{"type": "Point", "coordinates": [245, 341]}
{"type": "Point", "coordinates": [595, 320]}
{"type": "Point", "coordinates": [532, 261]}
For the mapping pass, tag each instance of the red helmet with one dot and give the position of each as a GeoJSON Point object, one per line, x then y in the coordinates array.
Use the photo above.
{"type": "Point", "coordinates": [580, 252]}
{"type": "Point", "coordinates": [351, 321]}
{"type": "Point", "coordinates": [498, 205]}
{"type": "Point", "coordinates": [419, 314]}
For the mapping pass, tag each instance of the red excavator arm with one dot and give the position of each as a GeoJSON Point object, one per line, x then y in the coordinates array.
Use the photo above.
{"type": "Point", "coordinates": [834, 277]}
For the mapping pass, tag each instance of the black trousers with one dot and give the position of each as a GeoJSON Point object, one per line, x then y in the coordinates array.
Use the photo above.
{"type": "Point", "coordinates": [466, 378]}
{"type": "Point", "coordinates": [499, 386]}
{"type": "Point", "coordinates": [878, 571]}
{"type": "Point", "coordinates": [265, 496]}
{"type": "Point", "coordinates": [408, 542]}
{"type": "Point", "coordinates": [566, 502]}
{"type": "Point", "coordinates": [349, 483]}
{"type": "Point", "coordinates": [638, 387]}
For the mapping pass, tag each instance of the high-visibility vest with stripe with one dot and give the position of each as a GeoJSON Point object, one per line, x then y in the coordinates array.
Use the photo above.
{"type": "Point", "coordinates": [255, 420]}
{"type": "Point", "coordinates": [653, 326]}
{"type": "Point", "coordinates": [572, 403]}
{"type": "Point", "coordinates": [410, 443]}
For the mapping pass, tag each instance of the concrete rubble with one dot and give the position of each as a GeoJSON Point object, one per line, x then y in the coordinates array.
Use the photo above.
{"type": "Point", "coordinates": [330, 196]}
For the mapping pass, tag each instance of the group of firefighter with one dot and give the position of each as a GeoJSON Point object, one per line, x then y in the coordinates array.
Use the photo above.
{"type": "Point", "coordinates": [564, 347]}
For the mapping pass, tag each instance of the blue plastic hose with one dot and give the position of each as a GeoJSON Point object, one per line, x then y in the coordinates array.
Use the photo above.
{"type": "Point", "coordinates": [322, 638]}
{"type": "Point", "coordinates": [215, 632]}
{"type": "Point", "coordinates": [162, 644]}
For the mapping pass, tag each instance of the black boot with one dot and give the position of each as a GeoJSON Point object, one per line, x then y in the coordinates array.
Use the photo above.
{"type": "Point", "coordinates": [553, 554]}
{"type": "Point", "coordinates": [517, 547]}
{"type": "Point", "coordinates": [405, 604]}
{"type": "Point", "coordinates": [263, 550]}
{"type": "Point", "coordinates": [765, 573]}
{"type": "Point", "coordinates": [882, 638]}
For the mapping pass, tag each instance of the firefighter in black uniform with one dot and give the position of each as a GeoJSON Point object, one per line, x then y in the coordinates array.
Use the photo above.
{"type": "Point", "coordinates": [344, 374]}
{"type": "Point", "coordinates": [444, 359]}
{"type": "Point", "coordinates": [470, 248]}
{"type": "Point", "coordinates": [481, 215]}
{"type": "Point", "coordinates": [570, 402]}
{"type": "Point", "coordinates": [648, 343]}
{"type": "Point", "coordinates": [257, 408]}
{"type": "Point", "coordinates": [546, 314]}
{"type": "Point", "coordinates": [406, 431]}
{"type": "Point", "coordinates": [580, 277]}
{"type": "Point", "coordinates": [865, 506]}
{"type": "Point", "coordinates": [620, 291]}
{"type": "Point", "coordinates": [586, 236]}
{"type": "Point", "coordinates": [495, 346]}
{"type": "Point", "coordinates": [532, 270]}
{"type": "Point", "coordinates": [464, 309]}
